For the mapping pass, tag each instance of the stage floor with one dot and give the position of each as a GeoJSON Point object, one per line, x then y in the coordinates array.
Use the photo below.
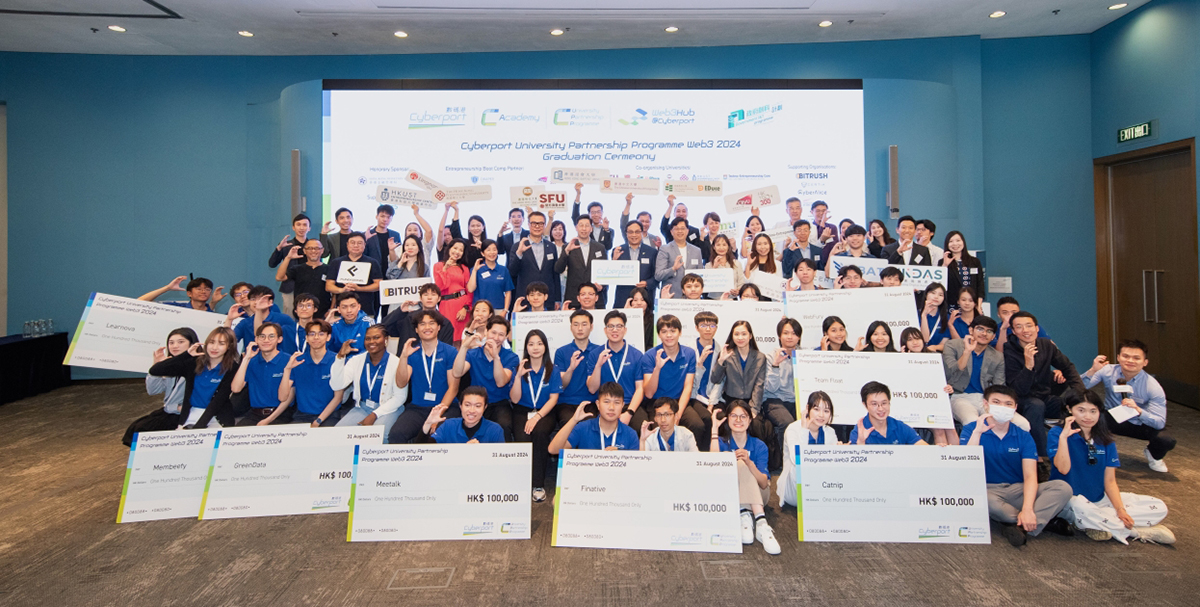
{"type": "Point", "coordinates": [63, 465]}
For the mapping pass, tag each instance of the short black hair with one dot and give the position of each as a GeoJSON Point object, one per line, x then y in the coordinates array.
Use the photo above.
{"type": "Point", "coordinates": [983, 321]}
{"type": "Point", "coordinates": [818, 203]}
{"type": "Point", "coordinates": [586, 218]}
{"type": "Point", "coordinates": [588, 285]}
{"type": "Point", "coordinates": [677, 221]}
{"type": "Point", "coordinates": [429, 287]}
{"type": "Point", "coordinates": [199, 282]}
{"type": "Point", "coordinates": [799, 223]}
{"type": "Point", "coordinates": [479, 391]}
{"type": "Point", "coordinates": [353, 235]}
{"type": "Point", "coordinates": [844, 270]}
{"type": "Point", "coordinates": [667, 402]}
{"type": "Point", "coordinates": [691, 277]}
{"type": "Point", "coordinates": [1000, 389]}
{"type": "Point", "coordinates": [929, 225]}
{"type": "Point", "coordinates": [615, 314]}
{"type": "Point", "coordinates": [906, 218]}
{"type": "Point", "coordinates": [269, 325]}
{"type": "Point", "coordinates": [422, 314]}
{"type": "Point", "coordinates": [891, 271]}
{"type": "Point", "coordinates": [592, 205]}
{"type": "Point", "coordinates": [668, 320]}
{"type": "Point", "coordinates": [1134, 344]}
{"type": "Point", "coordinates": [874, 387]}
{"type": "Point", "coordinates": [301, 216]}
{"type": "Point", "coordinates": [337, 301]}
{"type": "Point", "coordinates": [537, 286]}
{"type": "Point", "coordinates": [1007, 299]}
{"type": "Point", "coordinates": [499, 320]}
{"type": "Point", "coordinates": [856, 230]}
{"type": "Point", "coordinates": [789, 322]}
{"type": "Point", "coordinates": [343, 210]}
{"type": "Point", "coordinates": [386, 208]}
{"type": "Point", "coordinates": [584, 313]}
{"type": "Point", "coordinates": [611, 388]}
{"type": "Point", "coordinates": [260, 291]}
{"type": "Point", "coordinates": [1022, 314]}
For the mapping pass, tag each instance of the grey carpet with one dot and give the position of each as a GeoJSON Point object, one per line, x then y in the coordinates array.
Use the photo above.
{"type": "Point", "coordinates": [63, 465]}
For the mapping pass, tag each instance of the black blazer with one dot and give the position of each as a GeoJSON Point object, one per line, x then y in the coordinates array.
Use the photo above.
{"type": "Point", "coordinates": [184, 366]}
{"type": "Point", "coordinates": [647, 258]}
{"type": "Point", "coordinates": [920, 254]}
{"type": "Point", "coordinates": [578, 269]}
{"type": "Point", "coordinates": [977, 280]}
{"type": "Point", "coordinates": [524, 270]}
{"type": "Point", "coordinates": [506, 241]}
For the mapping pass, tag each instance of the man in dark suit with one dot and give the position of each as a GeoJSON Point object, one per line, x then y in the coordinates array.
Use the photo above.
{"type": "Point", "coordinates": [906, 250]}
{"type": "Point", "coordinates": [577, 259]}
{"type": "Point", "coordinates": [600, 231]}
{"type": "Point", "coordinates": [507, 239]}
{"type": "Point", "coordinates": [645, 255]}
{"type": "Point", "coordinates": [681, 210]}
{"type": "Point", "coordinates": [532, 259]}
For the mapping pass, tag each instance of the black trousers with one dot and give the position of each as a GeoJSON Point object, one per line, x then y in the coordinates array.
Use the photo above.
{"type": "Point", "coordinates": [407, 428]}
{"type": "Point", "coordinates": [156, 420]}
{"type": "Point", "coordinates": [1159, 444]}
{"type": "Point", "coordinates": [543, 431]}
{"type": "Point", "coordinates": [1036, 410]}
{"type": "Point", "coordinates": [501, 412]}
{"type": "Point", "coordinates": [257, 415]}
{"type": "Point", "coordinates": [779, 414]}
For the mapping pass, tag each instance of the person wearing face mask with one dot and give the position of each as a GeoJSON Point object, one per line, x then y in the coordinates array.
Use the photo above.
{"type": "Point", "coordinates": [811, 429]}
{"type": "Point", "coordinates": [491, 366]}
{"type": "Point", "coordinates": [1015, 498]}
{"type": "Point", "coordinates": [907, 250]}
{"type": "Point", "coordinates": [534, 393]}
{"type": "Point", "coordinates": [471, 428]}
{"type": "Point", "coordinates": [165, 417]}
{"type": "Point", "coordinates": [779, 394]}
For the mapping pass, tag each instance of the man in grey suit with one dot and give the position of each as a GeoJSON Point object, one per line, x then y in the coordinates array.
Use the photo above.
{"type": "Point", "coordinates": [906, 250]}
{"type": "Point", "coordinates": [675, 259]}
{"type": "Point", "coordinates": [971, 367]}
{"type": "Point", "coordinates": [577, 259]}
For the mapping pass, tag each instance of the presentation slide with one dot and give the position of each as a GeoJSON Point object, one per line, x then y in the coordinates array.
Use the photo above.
{"type": "Point", "coordinates": [720, 149]}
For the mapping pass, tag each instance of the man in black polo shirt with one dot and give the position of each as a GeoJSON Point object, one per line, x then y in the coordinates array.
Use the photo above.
{"type": "Point", "coordinates": [306, 272]}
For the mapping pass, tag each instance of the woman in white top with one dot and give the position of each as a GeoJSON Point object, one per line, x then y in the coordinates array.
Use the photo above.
{"type": "Point", "coordinates": [811, 429]}
{"type": "Point", "coordinates": [378, 400]}
{"type": "Point", "coordinates": [762, 257]}
{"type": "Point", "coordinates": [666, 436]}
{"type": "Point", "coordinates": [723, 256]}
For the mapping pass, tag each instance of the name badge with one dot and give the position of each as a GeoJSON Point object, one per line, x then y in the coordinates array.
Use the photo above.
{"type": "Point", "coordinates": [550, 256]}
{"type": "Point", "coordinates": [485, 274]}
{"type": "Point", "coordinates": [430, 396]}
{"type": "Point", "coordinates": [645, 260]}
{"type": "Point", "coordinates": [974, 271]}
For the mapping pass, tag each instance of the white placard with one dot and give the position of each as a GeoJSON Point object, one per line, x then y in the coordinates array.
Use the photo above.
{"type": "Point", "coordinates": [693, 188]}
{"type": "Point", "coordinates": [399, 291]}
{"type": "Point", "coordinates": [165, 475]}
{"type": "Point", "coordinates": [770, 285]}
{"type": "Point", "coordinates": [557, 327]}
{"type": "Point", "coordinates": [404, 197]}
{"type": "Point", "coordinates": [565, 175]}
{"type": "Point", "coordinates": [615, 272]}
{"type": "Point", "coordinates": [742, 202]}
{"type": "Point", "coordinates": [858, 308]}
{"type": "Point", "coordinates": [524, 195]}
{"type": "Point", "coordinates": [440, 492]}
{"type": "Point", "coordinates": [717, 281]}
{"type": "Point", "coordinates": [763, 317]}
{"type": "Point", "coordinates": [647, 500]}
{"type": "Point", "coordinates": [283, 470]}
{"type": "Point", "coordinates": [915, 277]}
{"type": "Point", "coordinates": [122, 334]}
{"type": "Point", "coordinates": [878, 493]}
{"type": "Point", "coordinates": [917, 383]}
{"type": "Point", "coordinates": [467, 193]}
{"type": "Point", "coordinates": [1122, 414]}
{"type": "Point", "coordinates": [354, 272]}
{"type": "Point", "coordinates": [613, 185]}
{"type": "Point", "coordinates": [423, 181]}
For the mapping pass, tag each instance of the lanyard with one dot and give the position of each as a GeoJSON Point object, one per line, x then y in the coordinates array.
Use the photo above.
{"type": "Point", "coordinates": [614, 435]}
{"type": "Point", "coordinates": [536, 394]}
{"type": "Point", "coordinates": [670, 441]}
{"type": "Point", "coordinates": [617, 374]}
{"type": "Point", "coordinates": [937, 320]}
{"type": "Point", "coordinates": [301, 343]}
{"type": "Point", "coordinates": [430, 365]}
{"type": "Point", "coordinates": [371, 390]}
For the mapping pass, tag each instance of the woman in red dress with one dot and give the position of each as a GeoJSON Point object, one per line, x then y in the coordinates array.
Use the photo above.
{"type": "Point", "coordinates": [455, 280]}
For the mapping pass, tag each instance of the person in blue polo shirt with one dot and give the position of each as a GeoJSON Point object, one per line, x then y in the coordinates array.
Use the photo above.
{"type": "Point", "coordinates": [306, 379]}
{"type": "Point", "coordinates": [492, 280]}
{"type": "Point", "coordinates": [668, 371]}
{"type": "Point", "coordinates": [351, 322]}
{"type": "Point", "coordinates": [570, 361]}
{"type": "Point", "coordinates": [1085, 456]}
{"type": "Point", "coordinates": [1010, 458]}
{"type": "Point", "coordinates": [490, 365]}
{"type": "Point", "coordinates": [879, 427]}
{"type": "Point", "coordinates": [534, 393]}
{"type": "Point", "coordinates": [470, 428]}
{"type": "Point", "coordinates": [263, 310]}
{"type": "Point", "coordinates": [617, 362]}
{"type": "Point", "coordinates": [262, 370]}
{"type": "Point", "coordinates": [199, 292]}
{"type": "Point", "coordinates": [754, 481]}
{"type": "Point", "coordinates": [606, 432]}
{"type": "Point", "coordinates": [427, 369]}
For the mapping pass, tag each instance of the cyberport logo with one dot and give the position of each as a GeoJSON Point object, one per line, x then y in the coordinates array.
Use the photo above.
{"type": "Point", "coordinates": [484, 528]}
{"type": "Point", "coordinates": [687, 539]}
{"type": "Point", "coordinates": [639, 115]}
{"type": "Point", "coordinates": [928, 533]}
{"type": "Point", "coordinates": [673, 116]}
{"type": "Point", "coordinates": [326, 504]}
{"type": "Point", "coordinates": [566, 116]}
{"type": "Point", "coordinates": [756, 115]}
{"type": "Point", "coordinates": [442, 117]}
{"type": "Point", "coordinates": [493, 117]}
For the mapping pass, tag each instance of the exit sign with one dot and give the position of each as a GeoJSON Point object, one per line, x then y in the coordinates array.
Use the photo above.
{"type": "Point", "coordinates": [1136, 131]}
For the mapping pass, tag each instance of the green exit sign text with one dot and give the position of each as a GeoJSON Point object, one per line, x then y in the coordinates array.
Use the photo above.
{"type": "Point", "coordinates": [1136, 131]}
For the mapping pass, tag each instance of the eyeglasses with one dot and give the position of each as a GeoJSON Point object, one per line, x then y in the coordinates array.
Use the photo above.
{"type": "Point", "coordinates": [537, 223]}
{"type": "Point", "coordinates": [706, 325]}
{"type": "Point", "coordinates": [663, 414]}
{"type": "Point", "coordinates": [986, 331]}
{"type": "Point", "coordinates": [316, 333]}
{"type": "Point", "coordinates": [739, 417]}
{"type": "Point", "coordinates": [614, 326]}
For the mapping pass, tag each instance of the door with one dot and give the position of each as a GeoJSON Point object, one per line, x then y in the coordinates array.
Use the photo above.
{"type": "Point", "coordinates": [1155, 275]}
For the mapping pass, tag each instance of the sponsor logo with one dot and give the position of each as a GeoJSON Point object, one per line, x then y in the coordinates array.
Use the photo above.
{"type": "Point", "coordinates": [639, 115]}
{"type": "Point", "coordinates": [687, 539]}
{"type": "Point", "coordinates": [483, 528]}
{"type": "Point", "coordinates": [578, 117]}
{"type": "Point", "coordinates": [972, 532]}
{"type": "Point", "coordinates": [335, 502]}
{"type": "Point", "coordinates": [493, 117]}
{"type": "Point", "coordinates": [925, 533]}
{"type": "Point", "coordinates": [442, 117]}
{"type": "Point", "coordinates": [673, 116]}
{"type": "Point", "coordinates": [756, 115]}
{"type": "Point", "coordinates": [475, 179]}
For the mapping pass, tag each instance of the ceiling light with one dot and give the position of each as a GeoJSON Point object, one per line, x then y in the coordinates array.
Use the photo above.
{"type": "Point", "coordinates": [672, 29]}
{"type": "Point", "coordinates": [825, 23]}
{"type": "Point", "coordinates": [401, 34]}
{"type": "Point", "coordinates": [246, 34]}
{"type": "Point", "coordinates": [1117, 7]}
{"type": "Point", "coordinates": [116, 28]}
{"type": "Point", "coordinates": [556, 32]}
{"type": "Point", "coordinates": [997, 14]}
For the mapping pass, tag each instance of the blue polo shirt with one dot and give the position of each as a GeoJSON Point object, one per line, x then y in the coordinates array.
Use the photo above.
{"type": "Point", "coordinates": [673, 374]}
{"type": "Point", "coordinates": [536, 397]}
{"type": "Point", "coordinates": [576, 391]}
{"type": "Point", "coordinates": [627, 363]}
{"type": "Point", "coordinates": [205, 386]}
{"type": "Point", "coordinates": [586, 435]}
{"type": "Point", "coordinates": [1002, 457]}
{"type": "Point", "coordinates": [705, 367]}
{"type": "Point", "coordinates": [311, 382]}
{"type": "Point", "coordinates": [937, 331]}
{"type": "Point", "coordinates": [263, 378]}
{"type": "Point", "coordinates": [186, 303]}
{"type": "Point", "coordinates": [423, 392]}
{"type": "Point", "coordinates": [344, 332]}
{"type": "Point", "coordinates": [898, 433]}
{"type": "Point", "coordinates": [451, 431]}
{"type": "Point", "coordinates": [482, 372]}
{"type": "Point", "coordinates": [244, 331]}
{"type": "Point", "coordinates": [1085, 479]}
{"type": "Point", "coordinates": [492, 283]}
{"type": "Point", "coordinates": [757, 449]}
{"type": "Point", "coordinates": [974, 386]}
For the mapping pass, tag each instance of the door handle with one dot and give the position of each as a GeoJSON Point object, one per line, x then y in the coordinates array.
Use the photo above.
{"type": "Point", "coordinates": [1145, 306]}
{"type": "Point", "coordinates": [1156, 297]}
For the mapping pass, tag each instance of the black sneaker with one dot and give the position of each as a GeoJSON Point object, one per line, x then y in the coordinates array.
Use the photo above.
{"type": "Point", "coordinates": [1059, 526]}
{"type": "Point", "coordinates": [1014, 534]}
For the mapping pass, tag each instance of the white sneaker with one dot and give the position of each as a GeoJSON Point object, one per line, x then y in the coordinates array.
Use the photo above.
{"type": "Point", "coordinates": [539, 495]}
{"type": "Point", "coordinates": [1156, 465]}
{"type": "Point", "coordinates": [766, 535]}
{"type": "Point", "coordinates": [1158, 534]}
{"type": "Point", "coordinates": [747, 528]}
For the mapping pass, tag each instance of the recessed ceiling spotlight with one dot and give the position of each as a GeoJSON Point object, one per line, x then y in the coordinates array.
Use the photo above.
{"type": "Point", "coordinates": [401, 34]}
{"type": "Point", "coordinates": [116, 28]}
{"type": "Point", "coordinates": [556, 32]}
{"type": "Point", "coordinates": [1117, 7]}
{"type": "Point", "coordinates": [997, 14]}
{"type": "Point", "coordinates": [246, 34]}
{"type": "Point", "coordinates": [672, 29]}
{"type": "Point", "coordinates": [825, 24]}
